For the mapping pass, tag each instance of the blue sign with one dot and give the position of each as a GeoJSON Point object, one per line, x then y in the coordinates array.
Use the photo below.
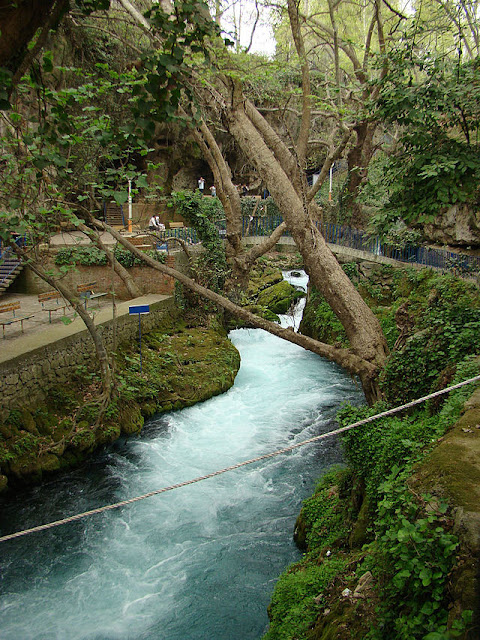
{"type": "Point", "coordinates": [141, 308]}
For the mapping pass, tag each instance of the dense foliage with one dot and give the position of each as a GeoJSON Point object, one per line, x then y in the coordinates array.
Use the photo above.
{"type": "Point", "coordinates": [430, 321]}
{"type": "Point", "coordinates": [203, 214]}
{"type": "Point", "coordinates": [446, 316]}
{"type": "Point", "coordinates": [408, 545]}
{"type": "Point", "coordinates": [432, 101]}
{"type": "Point", "coordinates": [91, 256]}
{"type": "Point", "coordinates": [414, 549]}
{"type": "Point", "coordinates": [367, 518]}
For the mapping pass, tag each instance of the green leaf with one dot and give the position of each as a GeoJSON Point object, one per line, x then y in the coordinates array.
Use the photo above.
{"type": "Point", "coordinates": [48, 62]}
{"type": "Point", "coordinates": [120, 197]}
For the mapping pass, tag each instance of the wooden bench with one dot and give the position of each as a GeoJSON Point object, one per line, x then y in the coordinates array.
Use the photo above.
{"type": "Point", "coordinates": [12, 306]}
{"type": "Point", "coordinates": [141, 242]}
{"type": "Point", "coordinates": [86, 291]}
{"type": "Point", "coordinates": [61, 303]}
{"type": "Point", "coordinates": [176, 225]}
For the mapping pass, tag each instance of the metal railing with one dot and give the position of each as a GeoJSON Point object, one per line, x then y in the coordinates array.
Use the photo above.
{"type": "Point", "coordinates": [356, 239]}
{"type": "Point", "coordinates": [187, 234]}
{"type": "Point", "coordinates": [7, 254]}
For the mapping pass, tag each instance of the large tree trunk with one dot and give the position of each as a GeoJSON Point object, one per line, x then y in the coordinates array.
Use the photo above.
{"type": "Point", "coordinates": [362, 327]}
{"type": "Point", "coordinates": [344, 357]}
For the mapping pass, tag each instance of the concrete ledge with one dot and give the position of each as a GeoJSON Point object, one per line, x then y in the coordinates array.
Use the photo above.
{"type": "Point", "coordinates": [49, 359]}
{"type": "Point", "coordinates": [59, 332]}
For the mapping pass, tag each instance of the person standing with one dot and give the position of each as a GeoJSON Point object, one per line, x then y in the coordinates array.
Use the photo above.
{"type": "Point", "coordinates": [201, 184]}
{"type": "Point", "coordinates": [213, 190]}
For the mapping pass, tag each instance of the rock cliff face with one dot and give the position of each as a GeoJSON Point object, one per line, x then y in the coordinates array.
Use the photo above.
{"type": "Point", "coordinates": [452, 471]}
{"type": "Point", "coordinates": [457, 226]}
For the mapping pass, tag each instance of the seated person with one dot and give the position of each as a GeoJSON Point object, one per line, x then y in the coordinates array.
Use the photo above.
{"type": "Point", "coordinates": [154, 224]}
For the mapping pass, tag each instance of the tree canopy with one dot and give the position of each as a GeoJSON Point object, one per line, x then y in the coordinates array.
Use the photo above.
{"type": "Point", "coordinates": [347, 82]}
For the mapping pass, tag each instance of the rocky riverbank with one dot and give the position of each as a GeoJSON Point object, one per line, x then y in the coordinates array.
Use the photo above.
{"type": "Point", "coordinates": [392, 546]}
{"type": "Point", "coordinates": [180, 366]}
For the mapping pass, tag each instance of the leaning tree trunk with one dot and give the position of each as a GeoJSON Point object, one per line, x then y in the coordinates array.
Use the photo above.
{"type": "Point", "coordinates": [344, 357]}
{"type": "Point", "coordinates": [362, 328]}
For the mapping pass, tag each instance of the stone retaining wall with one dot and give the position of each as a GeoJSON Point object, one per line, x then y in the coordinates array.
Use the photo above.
{"type": "Point", "coordinates": [147, 279]}
{"type": "Point", "coordinates": [28, 378]}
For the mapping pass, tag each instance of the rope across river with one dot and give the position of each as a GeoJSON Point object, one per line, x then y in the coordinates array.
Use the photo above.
{"type": "Point", "coordinates": [150, 494]}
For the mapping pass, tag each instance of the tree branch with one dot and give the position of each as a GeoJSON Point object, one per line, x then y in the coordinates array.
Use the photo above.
{"type": "Point", "coordinates": [345, 357]}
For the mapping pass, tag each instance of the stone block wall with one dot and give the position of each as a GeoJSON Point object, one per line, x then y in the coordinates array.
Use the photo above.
{"type": "Point", "coordinates": [28, 378]}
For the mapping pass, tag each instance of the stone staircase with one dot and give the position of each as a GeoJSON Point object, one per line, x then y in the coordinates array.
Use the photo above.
{"type": "Point", "coordinates": [10, 268]}
{"type": "Point", "coordinates": [113, 215]}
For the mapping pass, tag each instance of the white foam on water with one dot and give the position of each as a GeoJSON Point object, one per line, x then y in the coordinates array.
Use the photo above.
{"type": "Point", "coordinates": [199, 562]}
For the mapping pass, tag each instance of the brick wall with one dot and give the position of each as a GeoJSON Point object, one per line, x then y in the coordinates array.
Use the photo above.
{"type": "Point", "coordinates": [147, 279]}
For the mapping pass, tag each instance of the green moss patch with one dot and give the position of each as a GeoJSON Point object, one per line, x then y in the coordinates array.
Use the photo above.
{"type": "Point", "coordinates": [279, 297]}
{"type": "Point", "coordinates": [178, 370]}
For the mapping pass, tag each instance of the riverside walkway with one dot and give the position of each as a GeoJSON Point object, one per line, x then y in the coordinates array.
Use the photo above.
{"type": "Point", "coordinates": [344, 242]}
{"type": "Point", "coordinates": [39, 333]}
{"type": "Point", "coordinates": [357, 244]}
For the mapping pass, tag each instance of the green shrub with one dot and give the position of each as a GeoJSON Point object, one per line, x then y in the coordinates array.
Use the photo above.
{"type": "Point", "coordinates": [80, 255]}
{"type": "Point", "coordinates": [414, 553]}
{"type": "Point", "coordinates": [128, 260]}
{"type": "Point", "coordinates": [293, 610]}
{"type": "Point", "coordinates": [91, 256]}
{"type": "Point", "coordinates": [374, 448]}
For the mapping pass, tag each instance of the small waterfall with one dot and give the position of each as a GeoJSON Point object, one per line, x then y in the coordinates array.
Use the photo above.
{"type": "Point", "coordinates": [299, 280]}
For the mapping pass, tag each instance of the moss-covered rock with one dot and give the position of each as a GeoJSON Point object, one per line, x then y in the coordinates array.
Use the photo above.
{"type": "Point", "coordinates": [28, 422]}
{"type": "Point", "coordinates": [179, 369]}
{"type": "Point", "coordinates": [131, 419]}
{"type": "Point", "coordinates": [49, 462]}
{"type": "Point", "coordinates": [279, 297]}
{"type": "Point", "coordinates": [261, 278]}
